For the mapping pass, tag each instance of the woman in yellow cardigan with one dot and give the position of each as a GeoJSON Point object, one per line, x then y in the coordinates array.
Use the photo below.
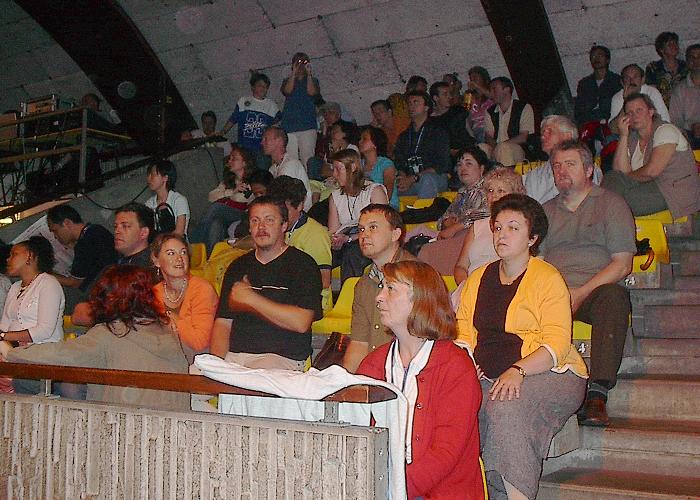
{"type": "Point", "coordinates": [515, 318]}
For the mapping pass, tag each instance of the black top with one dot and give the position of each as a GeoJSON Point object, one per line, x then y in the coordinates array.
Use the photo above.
{"type": "Point", "coordinates": [142, 258]}
{"type": "Point", "coordinates": [496, 350]}
{"type": "Point", "coordinates": [94, 251]}
{"type": "Point", "coordinates": [593, 100]}
{"type": "Point", "coordinates": [431, 143]}
{"type": "Point", "coordinates": [293, 278]}
{"type": "Point", "coordinates": [454, 120]}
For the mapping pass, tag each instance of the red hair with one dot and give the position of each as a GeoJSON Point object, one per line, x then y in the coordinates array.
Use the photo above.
{"type": "Point", "coordinates": [125, 293]}
{"type": "Point", "coordinates": [431, 316]}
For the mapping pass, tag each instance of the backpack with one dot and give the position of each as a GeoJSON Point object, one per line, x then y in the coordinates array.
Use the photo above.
{"type": "Point", "coordinates": [164, 219]}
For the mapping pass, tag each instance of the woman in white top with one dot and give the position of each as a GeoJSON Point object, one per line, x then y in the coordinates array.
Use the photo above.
{"type": "Point", "coordinates": [33, 311]}
{"type": "Point", "coordinates": [162, 177]}
{"type": "Point", "coordinates": [354, 194]}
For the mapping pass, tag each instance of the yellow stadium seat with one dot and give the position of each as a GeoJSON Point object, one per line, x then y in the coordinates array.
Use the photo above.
{"type": "Point", "coordinates": [221, 246]}
{"type": "Point", "coordinates": [423, 202]}
{"type": "Point", "coordinates": [338, 319]}
{"type": "Point", "coordinates": [218, 263]}
{"type": "Point", "coordinates": [527, 166]}
{"type": "Point", "coordinates": [448, 195]}
{"type": "Point", "coordinates": [335, 273]}
{"type": "Point", "coordinates": [654, 230]}
{"type": "Point", "coordinates": [696, 152]}
{"type": "Point", "coordinates": [432, 225]}
{"type": "Point", "coordinates": [405, 201]}
{"type": "Point", "coordinates": [665, 217]}
{"type": "Point", "coordinates": [582, 331]}
{"type": "Point", "coordinates": [198, 255]}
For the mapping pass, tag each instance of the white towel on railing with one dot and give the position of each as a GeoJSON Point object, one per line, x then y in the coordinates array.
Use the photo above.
{"type": "Point", "coordinates": [303, 392]}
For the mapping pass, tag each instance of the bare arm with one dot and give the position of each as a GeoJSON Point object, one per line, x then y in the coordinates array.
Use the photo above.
{"type": "Point", "coordinates": [68, 281]}
{"type": "Point", "coordinates": [325, 278]}
{"type": "Point", "coordinates": [389, 179]}
{"type": "Point", "coordinates": [220, 337]}
{"type": "Point", "coordinates": [462, 264]}
{"type": "Point", "coordinates": [660, 158]}
{"type": "Point", "coordinates": [294, 318]}
{"type": "Point", "coordinates": [521, 138]}
{"type": "Point", "coordinates": [378, 196]}
{"type": "Point", "coordinates": [333, 219]}
{"type": "Point", "coordinates": [311, 87]}
{"type": "Point", "coordinates": [180, 225]}
{"type": "Point", "coordinates": [354, 355]}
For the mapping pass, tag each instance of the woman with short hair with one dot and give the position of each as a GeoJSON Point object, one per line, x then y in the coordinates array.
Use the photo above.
{"type": "Point", "coordinates": [515, 317]}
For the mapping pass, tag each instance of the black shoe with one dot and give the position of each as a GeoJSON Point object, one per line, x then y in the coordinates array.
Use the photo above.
{"type": "Point", "coordinates": [593, 413]}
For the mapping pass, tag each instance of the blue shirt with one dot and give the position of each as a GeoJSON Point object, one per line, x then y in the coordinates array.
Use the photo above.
{"type": "Point", "coordinates": [377, 175]}
{"type": "Point", "coordinates": [253, 116]}
{"type": "Point", "coordinates": [299, 112]}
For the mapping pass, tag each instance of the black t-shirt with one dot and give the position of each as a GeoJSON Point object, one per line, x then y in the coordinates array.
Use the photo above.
{"type": "Point", "coordinates": [454, 121]}
{"type": "Point", "coordinates": [94, 251]}
{"type": "Point", "coordinates": [431, 143]}
{"type": "Point", "coordinates": [496, 350]}
{"type": "Point", "coordinates": [292, 278]}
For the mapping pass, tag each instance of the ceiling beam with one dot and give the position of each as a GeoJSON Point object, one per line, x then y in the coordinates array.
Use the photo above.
{"type": "Point", "coordinates": [105, 43]}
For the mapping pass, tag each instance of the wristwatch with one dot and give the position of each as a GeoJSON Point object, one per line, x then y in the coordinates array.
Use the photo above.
{"type": "Point", "coordinates": [520, 370]}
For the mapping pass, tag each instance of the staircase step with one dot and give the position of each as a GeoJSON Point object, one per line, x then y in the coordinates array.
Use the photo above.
{"type": "Point", "coordinates": [667, 365]}
{"type": "Point", "coordinates": [596, 484]}
{"type": "Point", "coordinates": [656, 397]}
{"type": "Point", "coordinates": [686, 282]}
{"type": "Point", "coordinates": [642, 298]}
{"type": "Point", "coordinates": [671, 321]}
{"type": "Point", "coordinates": [688, 263]}
{"type": "Point", "coordinates": [666, 348]}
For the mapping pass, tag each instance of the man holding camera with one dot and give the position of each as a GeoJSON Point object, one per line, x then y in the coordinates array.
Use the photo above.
{"type": "Point", "coordinates": [422, 151]}
{"type": "Point", "coordinates": [301, 90]}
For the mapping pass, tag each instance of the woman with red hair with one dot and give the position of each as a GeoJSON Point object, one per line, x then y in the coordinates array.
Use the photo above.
{"type": "Point", "coordinates": [438, 379]}
{"type": "Point", "coordinates": [130, 333]}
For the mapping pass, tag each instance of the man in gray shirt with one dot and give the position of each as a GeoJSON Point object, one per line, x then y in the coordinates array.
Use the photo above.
{"type": "Point", "coordinates": [591, 241]}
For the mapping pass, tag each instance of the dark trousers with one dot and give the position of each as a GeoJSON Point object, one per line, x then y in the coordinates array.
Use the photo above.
{"type": "Point", "coordinates": [607, 309]}
{"type": "Point", "coordinates": [351, 261]}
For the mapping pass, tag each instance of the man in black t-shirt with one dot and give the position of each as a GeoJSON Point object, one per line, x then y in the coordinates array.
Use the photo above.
{"type": "Point", "coordinates": [92, 245]}
{"type": "Point", "coordinates": [269, 297]}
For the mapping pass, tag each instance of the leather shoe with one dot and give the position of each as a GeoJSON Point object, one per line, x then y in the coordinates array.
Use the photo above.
{"type": "Point", "coordinates": [594, 413]}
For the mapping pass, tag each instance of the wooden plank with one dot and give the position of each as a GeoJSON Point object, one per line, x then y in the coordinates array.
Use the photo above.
{"type": "Point", "coordinates": [176, 382]}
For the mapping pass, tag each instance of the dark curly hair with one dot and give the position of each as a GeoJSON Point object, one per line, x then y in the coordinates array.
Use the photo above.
{"type": "Point", "coordinates": [378, 138]}
{"type": "Point", "coordinates": [530, 209]}
{"type": "Point", "coordinates": [125, 293]}
{"type": "Point", "coordinates": [40, 248]}
{"type": "Point", "coordinates": [228, 177]}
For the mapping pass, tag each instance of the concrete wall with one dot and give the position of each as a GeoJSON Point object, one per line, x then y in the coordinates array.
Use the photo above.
{"type": "Point", "coordinates": [65, 449]}
{"type": "Point", "coordinates": [361, 49]}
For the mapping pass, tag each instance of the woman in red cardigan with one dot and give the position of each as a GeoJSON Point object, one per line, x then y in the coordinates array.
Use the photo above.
{"type": "Point", "coordinates": [438, 379]}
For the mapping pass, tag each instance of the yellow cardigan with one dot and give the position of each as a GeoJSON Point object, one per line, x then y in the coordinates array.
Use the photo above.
{"type": "Point", "coordinates": [540, 314]}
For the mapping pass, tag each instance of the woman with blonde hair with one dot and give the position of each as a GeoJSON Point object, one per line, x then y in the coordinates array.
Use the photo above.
{"type": "Point", "coordinates": [437, 378]}
{"type": "Point", "coordinates": [346, 203]}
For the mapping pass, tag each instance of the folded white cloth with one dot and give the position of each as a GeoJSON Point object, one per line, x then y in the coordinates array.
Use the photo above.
{"type": "Point", "coordinates": [302, 392]}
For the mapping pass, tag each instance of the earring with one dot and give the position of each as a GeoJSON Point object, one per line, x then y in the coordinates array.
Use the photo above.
{"type": "Point", "coordinates": [529, 244]}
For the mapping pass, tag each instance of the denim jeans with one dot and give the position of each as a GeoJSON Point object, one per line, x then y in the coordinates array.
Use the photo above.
{"type": "Point", "coordinates": [214, 224]}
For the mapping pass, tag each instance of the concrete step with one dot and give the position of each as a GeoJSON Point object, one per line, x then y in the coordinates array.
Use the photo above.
{"type": "Point", "coordinates": [688, 263]}
{"type": "Point", "coordinates": [661, 356]}
{"type": "Point", "coordinates": [670, 321]}
{"type": "Point", "coordinates": [597, 484]}
{"type": "Point", "coordinates": [668, 397]}
{"type": "Point", "coordinates": [686, 282]}
{"type": "Point", "coordinates": [642, 298]}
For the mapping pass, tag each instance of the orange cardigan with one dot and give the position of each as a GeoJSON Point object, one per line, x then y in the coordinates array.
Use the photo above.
{"type": "Point", "coordinates": [197, 312]}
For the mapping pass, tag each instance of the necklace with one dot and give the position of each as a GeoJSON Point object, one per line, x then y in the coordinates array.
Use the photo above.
{"type": "Point", "coordinates": [505, 279]}
{"type": "Point", "coordinates": [179, 296]}
{"type": "Point", "coordinates": [23, 288]}
{"type": "Point", "coordinates": [352, 210]}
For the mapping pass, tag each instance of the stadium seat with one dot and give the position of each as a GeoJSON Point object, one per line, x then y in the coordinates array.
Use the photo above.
{"type": "Point", "coordinates": [527, 166]}
{"type": "Point", "coordinates": [405, 201]}
{"type": "Point", "coordinates": [422, 203]}
{"type": "Point", "coordinates": [450, 282]}
{"type": "Point", "coordinates": [338, 319]}
{"type": "Point", "coordinates": [654, 230]}
{"type": "Point", "coordinates": [665, 218]}
{"type": "Point", "coordinates": [218, 263]}
{"type": "Point", "coordinates": [449, 195]}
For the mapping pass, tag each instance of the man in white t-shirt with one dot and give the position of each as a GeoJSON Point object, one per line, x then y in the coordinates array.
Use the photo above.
{"type": "Point", "coordinates": [632, 82]}
{"type": "Point", "coordinates": [274, 144]}
{"type": "Point", "coordinates": [654, 165]}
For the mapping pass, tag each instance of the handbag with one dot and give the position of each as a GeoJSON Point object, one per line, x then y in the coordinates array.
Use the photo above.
{"type": "Point", "coordinates": [332, 352]}
{"type": "Point", "coordinates": [415, 243]}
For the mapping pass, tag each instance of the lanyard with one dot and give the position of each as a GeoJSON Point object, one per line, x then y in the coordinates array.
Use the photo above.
{"type": "Point", "coordinates": [410, 139]}
{"type": "Point", "coordinates": [405, 370]}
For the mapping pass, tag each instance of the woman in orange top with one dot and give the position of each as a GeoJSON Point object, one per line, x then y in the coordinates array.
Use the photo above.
{"type": "Point", "coordinates": [190, 302]}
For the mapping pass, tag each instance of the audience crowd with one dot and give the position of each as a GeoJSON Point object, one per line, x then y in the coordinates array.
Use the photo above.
{"type": "Point", "coordinates": [492, 373]}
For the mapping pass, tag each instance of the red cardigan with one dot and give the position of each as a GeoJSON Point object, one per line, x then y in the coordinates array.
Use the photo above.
{"type": "Point", "coordinates": [445, 440]}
